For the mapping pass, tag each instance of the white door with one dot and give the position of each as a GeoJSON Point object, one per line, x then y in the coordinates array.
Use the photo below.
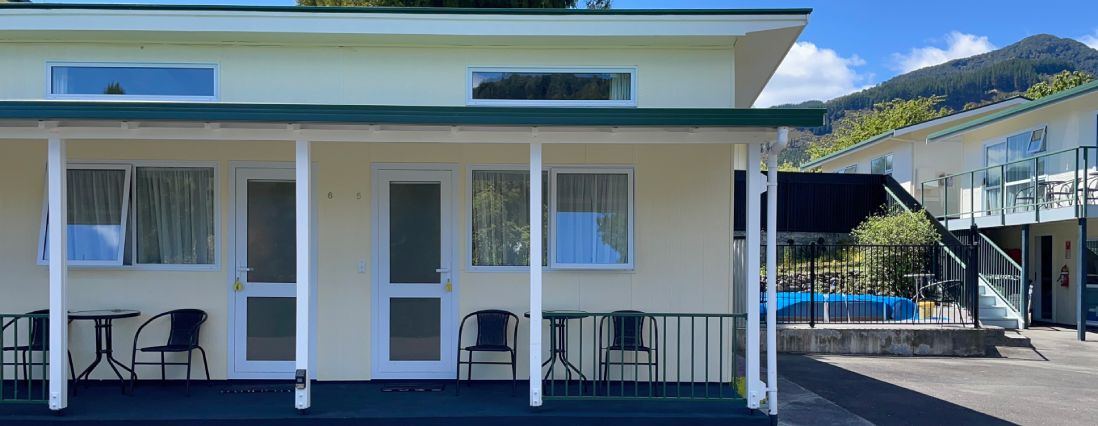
{"type": "Point", "coordinates": [415, 316]}
{"type": "Point", "coordinates": [264, 323]}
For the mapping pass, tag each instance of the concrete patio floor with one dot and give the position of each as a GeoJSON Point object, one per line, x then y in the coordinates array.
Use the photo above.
{"type": "Point", "coordinates": [484, 403]}
{"type": "Point", "coordinates": [1055, 382]}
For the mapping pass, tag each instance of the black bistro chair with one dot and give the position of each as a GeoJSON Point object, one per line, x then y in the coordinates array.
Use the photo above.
{"type": "Point", "coordinates": [945, 294]}
{"type": "Point", "coordinates": [182, 337]}
{"type": "Point", "coordinates": [492, 330]}
{"type": "Point", "coordinates": [627, 335]}
{"type": "Point", "coordinates": [36, 341]}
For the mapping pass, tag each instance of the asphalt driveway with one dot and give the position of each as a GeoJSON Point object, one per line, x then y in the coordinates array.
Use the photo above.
{"type": "Point", "coordinates": [1056, 382]}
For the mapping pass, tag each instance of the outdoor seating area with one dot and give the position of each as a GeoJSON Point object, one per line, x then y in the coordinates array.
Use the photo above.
{"type": "Point", "coordinates": [25, 346]}
{"type": "Point", "coordinates": [618, 354]}
{"type": "Point", "coordinates": [1044, 182]}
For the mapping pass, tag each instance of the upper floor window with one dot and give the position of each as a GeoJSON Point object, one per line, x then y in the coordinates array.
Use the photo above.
{"type": "Point", "coordinates": [552, 87]}
{"type": "Point", "coordinates": [881, 165]}
{"type": "Point", "coordinates": [853, 168]}
{"type": "Point", "coordinates": [133, 81]}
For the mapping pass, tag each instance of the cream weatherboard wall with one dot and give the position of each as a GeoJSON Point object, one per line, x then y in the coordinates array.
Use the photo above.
{"type": "Point", "coordinates": [682, 255]}
{"type": "Point", "coordinates": [386, 75]}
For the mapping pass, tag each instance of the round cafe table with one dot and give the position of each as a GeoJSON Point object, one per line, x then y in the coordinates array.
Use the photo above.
{"type": "Point", "coordinates": [558, 345]}
{"type": "Point", "coordinates": [104, 346]}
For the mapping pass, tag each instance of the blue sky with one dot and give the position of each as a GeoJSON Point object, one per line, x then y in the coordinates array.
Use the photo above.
{"type": "Point", "coordinates": [853, 44]}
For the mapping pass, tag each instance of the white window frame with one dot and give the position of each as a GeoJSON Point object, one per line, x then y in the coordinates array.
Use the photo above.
{"type": "Point", "coordinates": [1002, 139]}
{"type": "Point", "coordinates": [891, 166]}
{"type": "Point", "coordinates": [120, 257]}
{"type": "Point", "coordinates": [130, 203]}
{"type": "Point", "coordinates": [631, 102]}
{"type": "Point", "coordinates": [553, 172]}
{"type": "Point", "coordinates": [60, 96]}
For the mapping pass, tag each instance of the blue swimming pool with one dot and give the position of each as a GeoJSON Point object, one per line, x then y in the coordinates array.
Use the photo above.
{"type": "Point", "coordinates": [797, 306]}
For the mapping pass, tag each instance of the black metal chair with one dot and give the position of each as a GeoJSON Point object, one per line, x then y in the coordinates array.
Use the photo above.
{"type": "Point", "coordinates": [183, 336]}
{"type": "Point", "coordinates": [627, 335]}
{"type": "Point", "coordinates": [492, 328]}
{"type": "Point", "coordinates": [37, 341]}
{"type": "Point", "coordinates": [944, 293]}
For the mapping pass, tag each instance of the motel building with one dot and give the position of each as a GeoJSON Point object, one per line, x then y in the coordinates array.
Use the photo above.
{"type": "Point", "coordinates": [347, 195]}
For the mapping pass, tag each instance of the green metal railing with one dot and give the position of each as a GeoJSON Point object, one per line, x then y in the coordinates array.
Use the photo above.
{"type": "Point", "coordinates": [1065, 178]}
{"type": "Point", "coordinates": [635, 355]}
{"type": "Point", "coordinates": [24, 363]}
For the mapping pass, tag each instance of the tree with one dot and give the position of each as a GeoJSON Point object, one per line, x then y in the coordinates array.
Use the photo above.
{"type": "Point", "coordinates": [559, 4]}
{"type": "Point", "coordinates": [861, 125]}
{"type": "Point", "coordinates": [1062, 81]}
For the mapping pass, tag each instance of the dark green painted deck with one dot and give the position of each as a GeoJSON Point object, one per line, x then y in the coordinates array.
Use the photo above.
{"type": "Point", "coordinates": [482, 404]}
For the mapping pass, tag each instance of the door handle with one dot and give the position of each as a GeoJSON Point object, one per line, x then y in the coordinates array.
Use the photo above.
{"type": "Point", "coordinates": [245, 269]}
{"type": "Point", "coordinates": [443, 270]}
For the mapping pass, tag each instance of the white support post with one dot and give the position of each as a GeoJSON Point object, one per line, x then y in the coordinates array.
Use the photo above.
{"type": "Point", "coordinates": [303, 389]}
{"type": "Point", "coordinates": [58, 226]}
{"type": "Point", "coordinates": [772, 273]}
{"type": "Point", "coordinates": [755, 387]}
{"type": "Point", "coordinates": [536, 244]}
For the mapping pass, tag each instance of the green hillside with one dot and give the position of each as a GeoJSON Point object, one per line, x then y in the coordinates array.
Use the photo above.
{"type": "Point", "coordinates": [965, 82]}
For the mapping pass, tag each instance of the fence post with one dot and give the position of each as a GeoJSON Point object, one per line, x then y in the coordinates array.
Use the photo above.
{"type": "Point", "coordinates": [812, 285]}
{"type": "Point", "coordinates": [972, 283]}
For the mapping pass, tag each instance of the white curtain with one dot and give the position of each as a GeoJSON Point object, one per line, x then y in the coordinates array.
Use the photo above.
{"type": "Point", "coordinates": [592, 218]}
{"type": "Point", "coordinates": [620, 87]}
{"type": "Point", "coordinates": [175, 215]}
{"type": "Point", "coordinates": [95, 214]}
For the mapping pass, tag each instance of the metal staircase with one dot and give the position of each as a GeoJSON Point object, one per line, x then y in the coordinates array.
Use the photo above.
{"type": "Point", "coordinates": [1000, 277]}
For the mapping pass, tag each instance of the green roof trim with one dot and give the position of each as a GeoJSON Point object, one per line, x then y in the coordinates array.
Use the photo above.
{"type": "Point", "coordinates": [407, 10]}
{"type": "Point", "coordinates": [1013, 111]}
{"type": "Point", "coordinates": [858, 145]}
{"type": "Point", "coordinates": [393, 114]}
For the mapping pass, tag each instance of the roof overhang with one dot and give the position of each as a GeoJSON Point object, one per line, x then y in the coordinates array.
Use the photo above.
{"type": "Point", "coordinates": [898, 134]}
{"type": "Point", "coordinates": [265, 24]}
{"type": "Point", "coordinates": [1065, 95]}
{"type": "Point", "coordinates": [389, 123]}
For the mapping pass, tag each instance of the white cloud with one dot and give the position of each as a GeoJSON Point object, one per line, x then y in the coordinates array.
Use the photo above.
{"type": "Point", "coordinates": [958, 45]}
{"type": "Point", "coordinates": [812, 73]}
{"type": "Point", "coordinates": [1090, 40]}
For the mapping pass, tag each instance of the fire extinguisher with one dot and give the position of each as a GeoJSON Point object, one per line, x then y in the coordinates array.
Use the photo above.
{"type": "Point", "coordinates": [1064, 276]}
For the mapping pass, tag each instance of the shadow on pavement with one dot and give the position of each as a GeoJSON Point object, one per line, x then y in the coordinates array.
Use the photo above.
{"type": "Point", "coordinates": [877, 401]}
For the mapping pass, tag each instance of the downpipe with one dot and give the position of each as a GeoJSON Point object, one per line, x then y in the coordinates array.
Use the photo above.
{"type": "Point", "coordinates": [772, 272]}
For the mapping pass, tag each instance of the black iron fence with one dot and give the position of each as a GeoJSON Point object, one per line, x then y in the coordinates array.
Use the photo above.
{"type": "Point", "coordinates": [885, 284]}
{"type": "Point", "coordinates": [637, 355]}
{"type": "Point", "coordinates": [24, 360]}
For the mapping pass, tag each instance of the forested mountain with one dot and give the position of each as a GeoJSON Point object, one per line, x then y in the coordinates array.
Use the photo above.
{"type": "Point", "coordinates": [965, 82]}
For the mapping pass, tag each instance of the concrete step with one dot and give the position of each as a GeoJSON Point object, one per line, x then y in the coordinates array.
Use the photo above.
{"type": "Point", "coordinates": [989, 301]}
{"type": "Point", "coordinates": [993, 313]}
{"type": "Point", "coordinates": [1006, 323]}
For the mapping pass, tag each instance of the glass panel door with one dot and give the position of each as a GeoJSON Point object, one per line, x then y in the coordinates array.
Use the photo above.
{"type": "Point", "coordinates": [264, 326]}
{"type": "Point", "coordinates": [415, 313]}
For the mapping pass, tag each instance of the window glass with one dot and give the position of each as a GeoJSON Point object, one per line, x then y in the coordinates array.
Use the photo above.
{"type": "Point", "coordinates": [501, 218]}
{"type": "Point", "coordinates": [881, 165]}
{"type": "Point", "coordinates": [168, 219]}
{"type": "Point", "coordinates": [97, 200]}
{"type": "Point", "coordinates": [175, 215]}
{"type": "Point", "coordinates": [848, 169]}
{"type": "Point", "coordinates": [592, 219]}
{"type": "Point", "coordinates": [552, 86]}
{"type": "Point", "coordinates": [137, 81]}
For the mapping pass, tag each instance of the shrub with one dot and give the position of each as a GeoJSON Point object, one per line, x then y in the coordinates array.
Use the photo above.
{"type": "Point", "coordinates": [905, 243]}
